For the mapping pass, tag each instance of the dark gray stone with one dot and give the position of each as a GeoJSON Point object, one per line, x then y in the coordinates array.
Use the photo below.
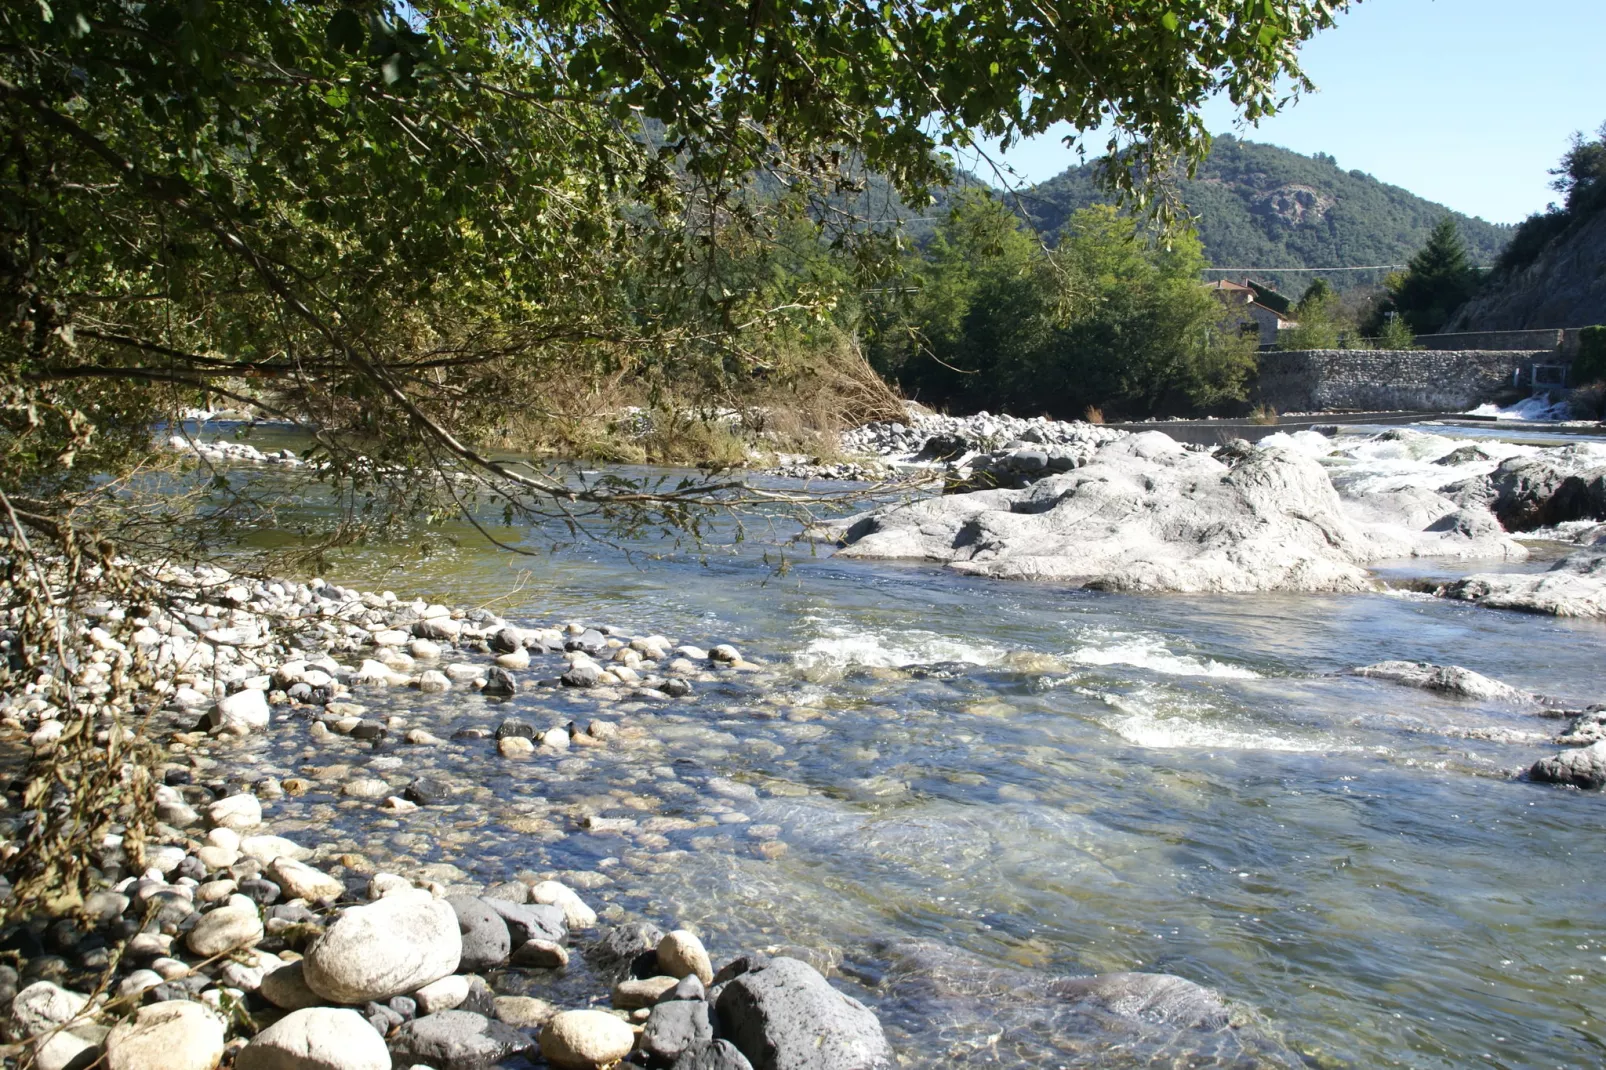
{"type": "Point", "coordinates": [499, 683]}
{"type": "Point", "coordinates": [675, 1027]}
{"type": "Point", "coordinates": [582, 676]}
{"type": "Point", "coordinates": [382, 1018]}
{"type": "Point", "coordinates": [786, 1016]}
{"type": "Point", "coordinates": [405, 1006]}
{"type": "Point", "coordinates": [1582, 768]}
{"type": "Point", "coordinates": [675, 687]}
{"type": "Point", "coordinates": [260, 890]}
{"type": "Point", "coordinates": [427, 791]}
{"type": "Point", "coordinates": [481, 1000]}
{"type": "Point", "coordinates": [628, 950]}
{"type": "Point", "coordinates": [369, 730]}
{"type": "Point", "coordinates": [532, 921]}
{"type": "Point", "coordinates": [753, 960]}
{"type": "Point", "coordinates": [456, 1040]}
{"type": "Point", "coordinates": [506, 641]}
{"type": "Point", "coordinates": [515, 727]}
{"type": "Point", "coordinates": [486, 941]}
{"type": "Point", "coordinates": [720, 1055]}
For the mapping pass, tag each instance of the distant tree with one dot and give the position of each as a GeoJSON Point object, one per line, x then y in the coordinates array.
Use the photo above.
{"type": "Point", "coordinates": [1323, 323]}
{"type": "Point", "coordinates": [1581, 177]}
{"type": "Point", "coordinates": [1437, 281]}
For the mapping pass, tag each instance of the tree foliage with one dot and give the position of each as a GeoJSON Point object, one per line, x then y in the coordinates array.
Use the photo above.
{"type": "Point", "coordinates": [1580, 178]}
{"type": "Point", "coordinates": [1110, 317]}
{"type": "Point", "coordinates": [1436, 282]}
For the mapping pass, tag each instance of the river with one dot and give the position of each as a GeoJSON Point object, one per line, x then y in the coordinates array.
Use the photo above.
{"type": "Point", "coordinates": [1075, 782]}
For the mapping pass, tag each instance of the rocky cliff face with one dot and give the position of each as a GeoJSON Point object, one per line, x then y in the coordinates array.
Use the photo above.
{"type": "Point", "coordinates": [1564, 287]}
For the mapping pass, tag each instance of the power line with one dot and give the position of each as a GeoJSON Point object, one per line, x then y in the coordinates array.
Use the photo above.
{"type": "Point", "coordinates": [1266, 270]}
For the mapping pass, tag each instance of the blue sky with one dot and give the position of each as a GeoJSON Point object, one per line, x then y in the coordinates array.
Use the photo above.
{"type": "Point", "coordinates": [1464, 102]}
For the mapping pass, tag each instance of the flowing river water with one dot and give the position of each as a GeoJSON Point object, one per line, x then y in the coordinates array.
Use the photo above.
{"type": "Point", "coordinates": [981, 786]}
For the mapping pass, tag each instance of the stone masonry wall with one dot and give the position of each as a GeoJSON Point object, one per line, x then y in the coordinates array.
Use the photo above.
{"type": "Point", "coordinates": [1315, 380]}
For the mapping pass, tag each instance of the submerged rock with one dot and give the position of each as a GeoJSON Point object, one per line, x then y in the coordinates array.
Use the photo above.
{"type": "Point", "coordinates": [1449, 679]}
{"type": "Point", "coordinates": [1156, 998]}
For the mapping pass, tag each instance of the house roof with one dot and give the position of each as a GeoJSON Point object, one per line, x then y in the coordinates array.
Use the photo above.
{"type": "Point", "coordinates": [1224, 284]}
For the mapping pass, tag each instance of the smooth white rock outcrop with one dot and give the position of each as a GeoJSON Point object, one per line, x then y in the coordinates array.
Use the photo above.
{"type": "Point", "coordinates": [1145, 514]}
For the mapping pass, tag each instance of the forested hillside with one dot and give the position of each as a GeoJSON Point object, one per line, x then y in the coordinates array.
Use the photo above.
{"type": "Point", "coordinates": [1263, 206]}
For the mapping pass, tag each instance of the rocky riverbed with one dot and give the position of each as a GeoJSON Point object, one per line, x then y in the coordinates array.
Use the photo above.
{"type": "Point", "coordinates": [289, 919]}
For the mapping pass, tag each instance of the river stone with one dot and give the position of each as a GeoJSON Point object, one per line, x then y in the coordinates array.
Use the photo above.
{"type": "Point", "coordinates": [1449, 679]}
{"type": "Point", "coordinates": [681, 954]}
{"type": "Point", "coordinates": [316, 1038]}
{"type": "Point", "coordinates": [628, 950]}
{"type": "Point", "coordinates": [1582, 768]}
{"type": "Point", "coordinates": [1575, 586]}
{"type": "Point", "coordinates": [244, 709]}
{"type": "Point", "coordinates": [266, 848]}
{"type": "Point", "coordinates": [675, 1027]}
{"type": "Point", "coordinates": [786, 1016]}
{"type": "Point", "coordinates": [304, 882]}
{"type": "Point", "coordinates": [720, 1055]}
{"type": "Point", "coordinates": [387, 948]}
{"type": "Point", "coordinates": [456, 1040]}
{"type": "Point", "coordinates": [585, 1040]}
{"type": "Point", "coordinates": [236, 812]}
{"type": "Point", "coordinates": [515, 747]}
{"type": "Point", "coordinates": [633, 993]}
{"type": "Point", "coordinates": [540, 955]}
{"type": "Point", "coordinates": [485, 937]}
{"type": "Point", "coordinates": [224, 929]}
{"type": "Point", "coordinates": [43, 1006]}
{"type": "Point", "coordinates": [67, 1051]}
{"type": "Point", "coordinates": [522, 1012]}
{"type": "Point", "coordinates": [576, 914]}
{"type": "Point", "coordinates": [286, 988]}
{"type": "Point", "coordinates": [177, 1035]}
{"type": "Point", "coordinates": [444, 995]}
{"type": "Point", "coordinates": [499, 683]}
{"type": "Point", "coordinates": [1149, 997]}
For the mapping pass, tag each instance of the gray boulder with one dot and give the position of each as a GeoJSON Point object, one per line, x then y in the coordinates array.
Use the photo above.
{"type": "Point", "coordinates": [526, 922]}
{"type": "Point", "coordinates": [628, 950]}
{"type": "Point", "coordinates": [1582, 768]}
{"type": "Point", "coordinates": [486, 940]}
{"type": "Point", "coordinates": [1549, 488]}
{"type": "Point", "coordinates": [786, 1016]}
{"type": "Point", "coordinates": [456, 1040]}
{"type": "Point", "coordinates": [676, 1026]}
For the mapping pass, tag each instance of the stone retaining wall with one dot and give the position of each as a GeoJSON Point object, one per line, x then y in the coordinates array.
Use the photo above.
{"type": "Point", "coordinates": [1313, 380]}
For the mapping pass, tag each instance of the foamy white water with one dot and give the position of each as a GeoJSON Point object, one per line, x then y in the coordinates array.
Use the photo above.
{"type": "Point", "coordinates": [842, 646]}
{"type": "Point", "coordinates": [1149, 652]}
{"type": "Point", "coordinates": [1181, 726]}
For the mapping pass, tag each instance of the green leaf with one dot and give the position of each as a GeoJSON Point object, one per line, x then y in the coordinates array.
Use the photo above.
{"type": "Point", "coordinates": [1169, 21]}
{"type": "Point", "coordinates": [345, 32]}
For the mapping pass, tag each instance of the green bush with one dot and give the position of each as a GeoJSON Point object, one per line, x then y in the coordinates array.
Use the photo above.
{"type": "Point", "coordinates": [1590, 363]}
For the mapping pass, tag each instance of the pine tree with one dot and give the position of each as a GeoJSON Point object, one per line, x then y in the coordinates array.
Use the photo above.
{"type": "Point", "coordinates": [1438, 280]}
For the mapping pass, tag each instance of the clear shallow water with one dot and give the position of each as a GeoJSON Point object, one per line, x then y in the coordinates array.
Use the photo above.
{"type": "Point", "coordinates": [1090, 783]}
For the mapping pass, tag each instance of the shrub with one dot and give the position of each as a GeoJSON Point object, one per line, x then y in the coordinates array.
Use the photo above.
{"type": "Point", "coordinates": [1590, 363]}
